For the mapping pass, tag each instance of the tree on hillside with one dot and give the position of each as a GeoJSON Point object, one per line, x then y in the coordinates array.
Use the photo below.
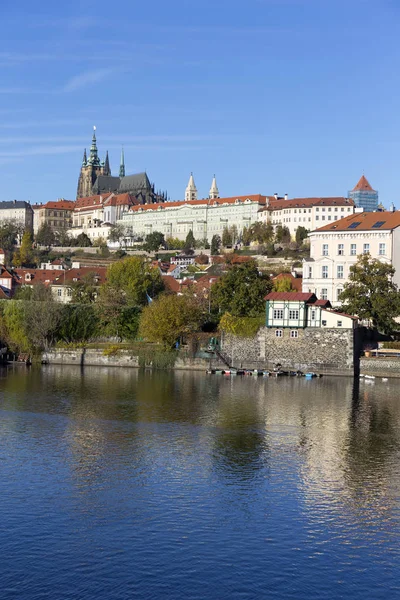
{"type": "Point", "coordinates": [83, 240]}
{"type": "Point", "coordinates": [371, 294]}
{"type": "Point", "coordinates": [283, 284]}
{"type": "Point", "coordinates": [262, 233]}
{"type": "Point", "coordinates": [190, 242]}
{"type": "Point", "coordinates": [215, 244]}
{"type": "Point", "coordinates": [226, 237]}
{"type": "Point", "coordinates": [45, 235]}
{"type": "Point", "coordinates": [153, 241]}
{"type": "Point", "coordinates": [85, 290]}
{"type": "Point", "coordinates": [282, 234]}
{"type": "Point", "coordinates": [9, 234]}
{"type": "Point", "coordinates": [23, 256]}
{"type": "Point", "coordinates": [241, 291]}
{"type": "Point", "coordinates": [116, 234]}
{"type": "Point", "coordinates": [301, 234]}
{"type": "Point", "coordinates": [132, 279]}
{"type": "Point", "coordinates": [169, 317]}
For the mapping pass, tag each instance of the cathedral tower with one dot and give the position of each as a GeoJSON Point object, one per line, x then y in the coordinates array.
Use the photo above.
{"type": "Point", "coordinates": [91, 168]}
{"type": "Point", "coordinates": [191, 190]}
{"type": "Point", "coordinates": [214, 193]}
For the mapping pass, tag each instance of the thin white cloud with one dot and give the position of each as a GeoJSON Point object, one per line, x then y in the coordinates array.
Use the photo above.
{"type": "Point", "coordinates": [89, 77]}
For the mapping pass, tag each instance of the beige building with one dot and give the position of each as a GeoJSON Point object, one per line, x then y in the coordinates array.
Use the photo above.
{"type": "Point", "coordinates": [310, 213]}
{"type": "Point", "coordinates": [57, 214]}
{"type": "Point", "coordinates": [335, 247]}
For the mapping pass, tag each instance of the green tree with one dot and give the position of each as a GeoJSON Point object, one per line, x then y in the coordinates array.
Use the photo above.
{"type": "Point", "coordinates": [169, 317]}
{"type": "Point", "coordinates": [215, 245]}
{"type": "Point", "coordinates": [25, 252]}
{"type": "Point", "coordinates": [371, 294]}
{"type": "Point", "coordinates": [283, 284]}
{"type": "Point", "coordinates": [132, 278]}
{"type": "Point", "coordinates": [79, 323]}
{"type": "Point", "coordinates": [246, 236]}
{"type": "Point", "coordinates": [226, 237]}
{"type": "Point", "coordinates": [85, 290]}
{"type": "Point", "coordinates": [154, 241]}
{"type": "Point", "coordinates": [174, 243]}
{"type": "Point", "coordinates": [241, 291]}
{"type": "Point", "coordinates": [45, 235]}
{"type": "Point", "coordinates": [12, 327]}
{"type": "Point", "coordinates": [83, 240]}
{"type": "Point", "coordinates": [116, 234]}
{"type": "Point", "coordinates": [190, 242]}
{"type": "Point", "coordinates": [301, 234]}
{"type": "Point", "coordinates": [9, 233]}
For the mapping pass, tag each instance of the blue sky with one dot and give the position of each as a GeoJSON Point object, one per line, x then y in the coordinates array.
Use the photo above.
{"type": "Point", "coordinates": [287, 96]}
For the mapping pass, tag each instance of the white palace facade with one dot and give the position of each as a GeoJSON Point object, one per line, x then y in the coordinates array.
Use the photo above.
{"type": "Point", "coordinates": [335, 247]}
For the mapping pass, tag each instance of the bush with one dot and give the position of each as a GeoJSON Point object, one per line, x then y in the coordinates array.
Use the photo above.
{"type": "Point", "coordinates": [391, 345]}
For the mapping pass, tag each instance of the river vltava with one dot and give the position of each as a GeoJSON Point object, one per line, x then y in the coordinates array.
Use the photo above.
{"type": "Point", "coordinates": [123, 484]}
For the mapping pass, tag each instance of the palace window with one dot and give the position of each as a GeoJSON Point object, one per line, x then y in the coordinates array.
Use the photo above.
{"type": "Point", "coordinates": [294, 314]}
{"type": "Point", "coordinates": [340, 272]}
{"type": "Point", "coordinates": [325, 249]}
{"type": "Point", "coordinates": [324, 294]}
{"type": "Point", "coordinates": [338, 293]}
{"type": "Point", "coordinates": [340, 249]}
{"type": "Point", "coordinates": [382, 249]}
{"type": "Point", "coordinates": [294, 333]}
{"type": "Point", "coordinates": [366, 249]}
{"type": "Point", "coordinates": [278, 313]}
{"type": "Point", "coordinates": [278, 333]}
{"type": "Point", "coordinates": [353, 249]}
{"type": "Point", "coordinates": [325, 272]}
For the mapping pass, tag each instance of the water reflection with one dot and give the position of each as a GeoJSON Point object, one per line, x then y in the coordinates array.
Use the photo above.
{"type": "Point", "coordinates": [187, 465]}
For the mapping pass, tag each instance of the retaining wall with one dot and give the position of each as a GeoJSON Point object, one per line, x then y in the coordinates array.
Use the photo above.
{"type": "Point", "coordinates": [323, 350]}
{"type": "Point", "coordinates": [384, 366]}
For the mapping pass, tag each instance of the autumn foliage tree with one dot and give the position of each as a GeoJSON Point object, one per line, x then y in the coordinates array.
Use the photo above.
{"type": "Point", "coordinates": [169, 317]}
{"type": "Point", "coordinates": [371, 294]}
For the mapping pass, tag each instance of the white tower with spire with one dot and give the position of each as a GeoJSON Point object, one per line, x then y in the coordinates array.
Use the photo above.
{"type": "Point", "coordinates": [214, 193]}
{"type": "Point", "coordinates": [191, 190]}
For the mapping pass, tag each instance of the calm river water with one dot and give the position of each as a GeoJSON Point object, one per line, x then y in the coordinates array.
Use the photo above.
{"type": "Point", "coordinates": [120, 484]}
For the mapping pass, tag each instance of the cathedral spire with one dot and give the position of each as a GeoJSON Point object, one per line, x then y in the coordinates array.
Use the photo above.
{"type": "Point", "coordinates": [214, 193]}
{"type": "Point", "coordinates": [107, 170]}
{"type": "Point", "coordinates": [93, 157]}
{"type": "Point", "coordinates": [122, 164]}
{"type": "Point", "coordinates": [191, 190]}
{"type": "Point", "coordinates": [84, 161]}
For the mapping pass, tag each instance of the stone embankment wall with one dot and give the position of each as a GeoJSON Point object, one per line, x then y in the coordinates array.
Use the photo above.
{"type": "Point", "coordinates": [122, 358]}
{"type": "Point", "coordinates": [322, 350]}
{"type": "Point", "coordinates": [388, 366]}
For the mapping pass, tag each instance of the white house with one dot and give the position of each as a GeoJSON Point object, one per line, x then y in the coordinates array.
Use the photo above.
{"type": "Point", "coordinates": [335, 247]}
{"type": "Point", "coordinates": [299, 310]}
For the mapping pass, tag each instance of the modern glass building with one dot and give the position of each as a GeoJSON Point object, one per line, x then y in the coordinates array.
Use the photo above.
{"type": "Point", "coordinates": [364, 196]}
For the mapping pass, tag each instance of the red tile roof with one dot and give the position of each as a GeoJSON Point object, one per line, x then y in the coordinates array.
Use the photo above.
{"type": "Point", "coordinates": [363, 185]}
{"type": "Point", "coordinates": [292, 296]}
{"type": "Point", "coordinates": [44, 276]}
{"type": "Point", "coordinates": [308, 203]}
{"type": "Point", "coordinates": [59, 205]}
{"type": "Point", "coordinates": [171, 284]}
{"type": "Point", "coordinates": [121, 200]}
{"type": "Point", "coordinates": [90, 202]}
{"type": "Point", "coordinates": [366, 221]}
{"type": "Point", "coordinates": [207, 201]}
{"type": "Point", "coordinates": [78, 274]}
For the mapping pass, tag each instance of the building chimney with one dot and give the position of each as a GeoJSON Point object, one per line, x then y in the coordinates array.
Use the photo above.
{"type": "Point", "coordinates": [286, 196]}
{"type": "Point", "coordinates": [276, 196]}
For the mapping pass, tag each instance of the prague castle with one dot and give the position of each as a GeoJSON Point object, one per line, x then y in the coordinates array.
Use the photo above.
{"type": "Point", "coordinates": [95, 178]}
